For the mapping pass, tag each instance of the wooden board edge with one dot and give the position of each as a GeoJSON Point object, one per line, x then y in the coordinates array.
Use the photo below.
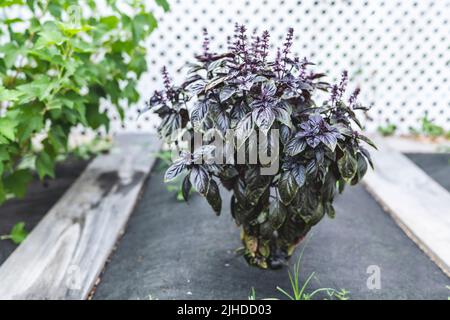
{"type": "Point", "coordinates": [98, 269]}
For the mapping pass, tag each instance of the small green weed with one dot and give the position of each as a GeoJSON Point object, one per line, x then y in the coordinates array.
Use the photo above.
{"type": "Point", "coordinates": [299, 290]}
{"type": "Point", "coordinates": [387, 130]}
{"type": "Point", "coordinates": [17, 234]}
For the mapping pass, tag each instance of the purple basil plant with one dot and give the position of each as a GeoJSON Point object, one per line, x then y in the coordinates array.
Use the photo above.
{"type": "Point", "coordinates": [319, 150]}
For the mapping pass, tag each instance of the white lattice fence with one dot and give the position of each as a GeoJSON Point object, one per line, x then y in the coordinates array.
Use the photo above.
{"type": "Point", "coordinates": [398, 52]}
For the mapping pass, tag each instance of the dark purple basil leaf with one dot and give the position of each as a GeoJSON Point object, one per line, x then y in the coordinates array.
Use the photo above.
{"type": "Point", "coordinates": [329, 209]}
{"type": "Point", "coordinates": [316, 120]}
{"type": "Point", "coordinates": [367, 140]}
{"type": "Point", "coordinates": [200, 179]}
{"type": "Point", "coordinates": [287, 187]}
{"type": "Point", "coordinates": [253, 195]}
{"type": "Point", "coordinates": [311, 167]}
{"type": "Point", "coordinates": [316, 76]}
{"type": "Point", "coordinates": [268, 89]}
{"type": "Point", "coordinates": [190, 80]}
{"type": "Point", "coordinates": [239, 111]}
{"type": "Point", "coordinates": [290, 93]}
{"type": "Point", "coordinates": [170, 124]}
{"type": "Point", "coordinates": [174, 170]}
{"type": "Point", "coordinates": [295, 146]}
{"type": "Point", "coordinates": [329, 139]}
{"type": "Point", "coordinates": [233, 206]}
{"type": "Point", "coordinates": [213, 197]}
{"type": "Point", "coordinates": [344, 130]}
{"type": "Point", "coordinates": [312, 141]}
{"type": "Point", "coordinates": [245, 86]}
{"type": "Point", "coordinates": [186, 188]}
{"type": "Point", "coordinates": [226, 93]}
{"type": "Point", "coordinates": [256, 185]}
{"type": "Point", "coordinates": [197, 86]}
{"type": "Point", "coordinates": [223, 121]}
{"type": "Point", "coordinates": [156, 99]}
{"type": "Point", "coordinates": [244, 129]}
{"type": "Point", "coordinates": [214, 83]}
{"type": "Point", "coordinates": [257, 103]}
{"type": "Point", "coordinates": [228, 172]}
{"type": "Point", "coordinates": [285, 134]}
{"type": "Point", "coordinates": [304, 86]}
{"type": "Point", "coordinates": [193, 67]}
{"type": "Point", "coordinates": [277, 214]}
{"type": "Point", "coordinates": [361, 169]}
{"type": "Point", "coordinates": [245, 83]}
{"type": "Point", "coordinates": [215, 64]}
{"type": "Point", "coordinates": [359, 106]}
{"type": "Point", "coordinates": [367, 155]}
{"type": "Point", "coordinates": [283, 116]}
{"type": "Point", "coordinates": [299, 173]}
{"type": "Point", "coordinates": [199, 112]}
{"type": "Point", "coordinates": [319, 155]}
{"type": "Point", "coordinates": [347, 166]}
{"type": "Point", "coordinates": [263, 118]}
{"type": "Point", "coordinates": [259, 79]}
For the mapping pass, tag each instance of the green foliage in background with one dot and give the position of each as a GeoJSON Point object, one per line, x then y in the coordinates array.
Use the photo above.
{"type": "Point", "coordinates": [55, 68]}
{"type": "Point", "coordinates": [17, 234]}
{"type": "Point", "coordinates": [387, 130]}
{"type": "Point", "coordinates": [429, 129]}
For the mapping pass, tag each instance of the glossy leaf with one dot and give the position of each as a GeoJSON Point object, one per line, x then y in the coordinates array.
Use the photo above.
{"type": "Point", "coordinates": [213, 197]}
{"type": "Point", "coordinates": [174, 170]}
{"type": "Point", "coordinates": [186, 188]}
{"type": "Point", "coordinates": [287, 187]}
{"type": "Point", "coordinates": [200, 179]}
{"type": "Point", "coordinates": [277, 214]}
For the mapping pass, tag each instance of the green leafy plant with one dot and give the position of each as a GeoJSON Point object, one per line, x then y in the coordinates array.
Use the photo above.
{"type": "Point", "coordinates": [17, 234]}
{"type": "Point", "coordinates": [91, 148]}
{"type": "Point", "coordinates": [252, 295]}
{"type": "Point", "coordinates": [59, 60]}
{"type": "Point", "coordinates": [299, 290]}
{"type": "Point", "coordinates": [429, 129]}
{"type": "Point", "coordinates": [244, 91]}
{"type": "Point", "coordinates": [387, 130]}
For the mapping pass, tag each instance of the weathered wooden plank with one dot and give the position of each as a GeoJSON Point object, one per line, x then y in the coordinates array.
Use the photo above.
{"type": "Point", "coordinates": [409, 145]}
{"type": "Point", "coordinates": [418, 204]}
{"type": "Point", "coordinates": [63, 256]}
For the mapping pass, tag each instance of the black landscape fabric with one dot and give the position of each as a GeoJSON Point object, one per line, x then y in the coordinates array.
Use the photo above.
{"type": "Point", "coordinates": [173, 250]}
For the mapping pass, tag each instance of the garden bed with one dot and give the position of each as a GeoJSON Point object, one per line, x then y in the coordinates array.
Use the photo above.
{"type": "Point", "coordinates": [173, 250]}
{"type": "Point", "coordinates": [41, 196]}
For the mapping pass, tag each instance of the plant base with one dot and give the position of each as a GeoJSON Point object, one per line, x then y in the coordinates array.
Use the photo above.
{"type": "Point", "coordinates": [273, 253]}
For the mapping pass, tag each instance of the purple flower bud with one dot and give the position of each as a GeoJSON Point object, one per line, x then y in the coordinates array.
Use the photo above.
{"type": "Point", "coordinates": [277, 66]}
{"type": "Point", "coordinates": [205, 46]}
{"type": "Point", "coordinates": [343, 84]}
{"type": "Point", "coordinates": [167, 83]}
{"type": "Point", "coordinates": [288, 42]}
{"type": "Point", "coordinates": [354, 97]}
{"type": "Point", "coordinates": [264, 45]}
{"type": "Point", "coordinates": [334, 94]}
